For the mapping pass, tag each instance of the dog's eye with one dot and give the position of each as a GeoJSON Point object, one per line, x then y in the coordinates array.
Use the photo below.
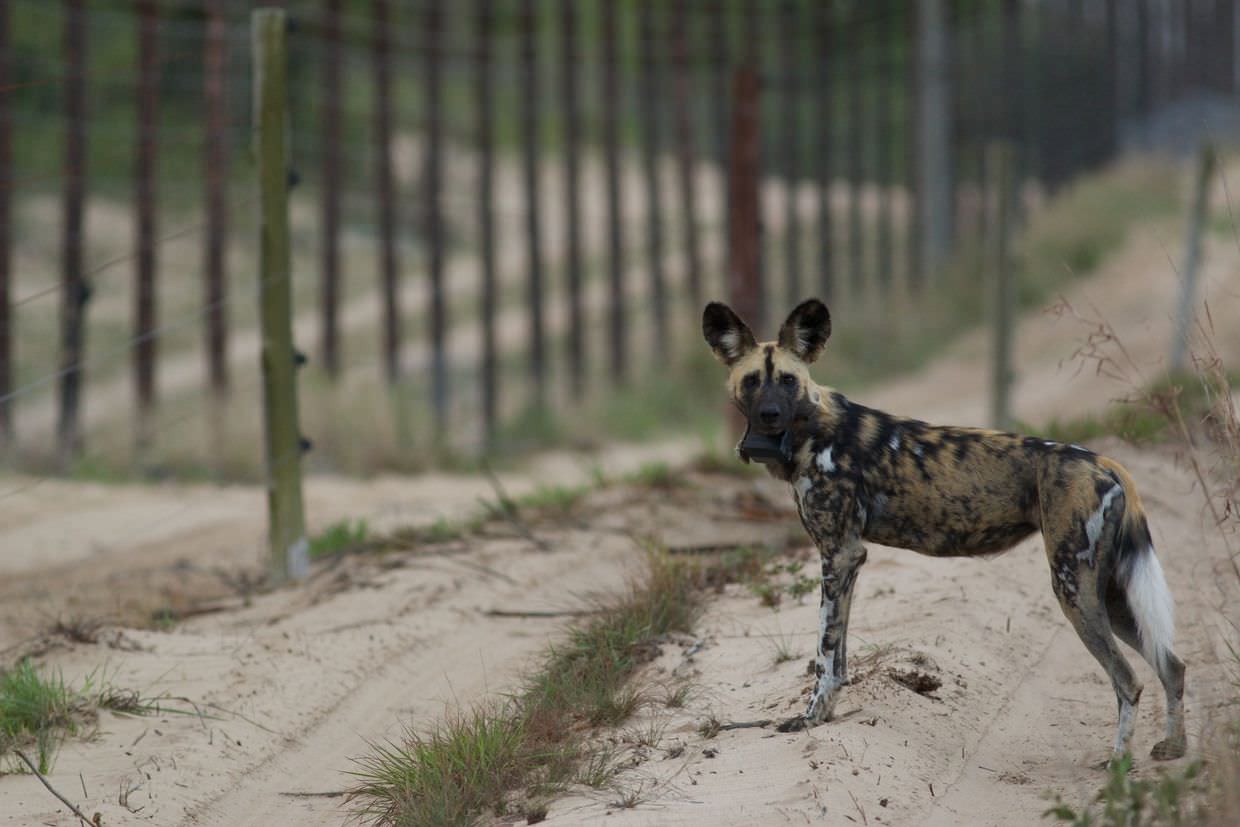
{"type": "Point", "coordinates": [788, 380]}
{"type": "Point", "coordinates": [750, 381]}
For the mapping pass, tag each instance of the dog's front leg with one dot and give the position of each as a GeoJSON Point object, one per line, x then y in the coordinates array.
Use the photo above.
{"type": "Point", "coordinates": [839, 574]}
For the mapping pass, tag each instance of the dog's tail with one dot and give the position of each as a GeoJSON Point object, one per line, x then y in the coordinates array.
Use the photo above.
{"type": "Point", "coordinates": [1140, 575]}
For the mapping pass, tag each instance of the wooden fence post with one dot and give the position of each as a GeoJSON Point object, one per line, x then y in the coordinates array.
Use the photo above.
{"type": "Point", "coordinates": [329, 232]}
{"type": "Point", "coordinates": [720, 96]}
{"type": "Point", "coordinates": [887, 44]}
{"type": "Point", "coordinates": [385, 187]}
{"type": "Point", "coordinates": [215, 172]}
{"type": "Point", "coordinates": [74, 289]}
{"type": "Point", "coordinates": [999, 159]}
{"type": "Point", "coordinates": [790, 100]}
{"type": "Point", "coordinates": [486, 213]}
{"type": "Point", "coordinates": [743, 197]}
{"type": "Point", "coordinates": [569, 70]}
{"type": "Point", "coordinates": [615, 216]}
{"type": "Point", "coordinates": [145, 241]}
{"type": "Point", "coordinates": [861, 43]}
{"type": "Point", "coordinates": [289, 551]}
{"type": "Point", "coordinates": [1197, 215]}
{"type": "Point", "coordinates": [433, 181]}
{"type": "Point", "coordinates": [6, 256]}
{"type": "Point", "coordinates": [533, 200]}
{"type": "Point", "coordinates": [685, 156]}
{"type": "Point", "coordinates": [651, 135]}
{"type": "Point", "coordinates": [825, 40]}
{"type": "Point", "coordinates": [934, 138]}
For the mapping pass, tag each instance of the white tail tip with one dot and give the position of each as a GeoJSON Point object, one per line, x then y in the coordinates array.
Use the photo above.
{"type": "Point", "coordinates": [1150, 602]}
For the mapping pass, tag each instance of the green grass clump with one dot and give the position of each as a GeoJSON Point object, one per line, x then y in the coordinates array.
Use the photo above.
{"type": "Point", "coordinates": [1169, 800]}
{"type": "Point", "coordinates": [1148, 417]}
{"type": "Point", "coordinates": [559, 499]}
{"type": "Point", "coordinates": [340, 537]}
{"type": "Point", "coordinates": [535, 742]}
{"type": "Point", "coordinates": [36, 709]}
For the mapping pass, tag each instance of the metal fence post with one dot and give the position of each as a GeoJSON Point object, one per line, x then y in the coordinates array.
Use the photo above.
{"type": "Point", "coordinates": [1192, 256]}
{"type": "Point", "coordinates": [1000, 163]}
{"type": "Point", "coordinates": [74, 288]}
{"type": "Point", "coordinates": [289, 550]}
{"type": "Point", "coordinates": [145, 241]}
{"type": "Point", "coordinates": [6, 260]}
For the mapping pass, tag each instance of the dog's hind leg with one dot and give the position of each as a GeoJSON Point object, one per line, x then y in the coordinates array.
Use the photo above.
{"type": "Point", "coordinates": [1089, 617]}
{"type": "Point", "coordinates": [1170, 670]}
{"type": "Point", "coordinates": [1074, 577]}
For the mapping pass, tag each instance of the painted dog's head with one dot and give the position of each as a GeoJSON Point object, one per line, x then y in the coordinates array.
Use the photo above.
{"type": "Point", "coordinates": [769, 381]}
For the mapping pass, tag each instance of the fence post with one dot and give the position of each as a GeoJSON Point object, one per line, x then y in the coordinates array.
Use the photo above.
{"type": "Point", "coordinates": [743, 197]}
{"type": "Point", "coordinates": [824, 30]}
{"type": "Point", "coordinates": [790, 100]}
{"type": "Point", "coordinates": [486, 215]}
{"type": "Point", "coordinates": [385, 190]}
{"type": "Point", "coordinates": [215, 163]}
{"type": "Point", "coordinates": [685, 156]}
{"type": "Point", "coordinates": [569, 69]}
{"type": "Point", "coordinates": [720, 95]}
{"type": "Point", "coordinates": [934, 138]}
{"type": "Point", "coordinates": [289, 550]}
{"type": "Point", "coordinates": [857, 58]}
{"type": "Point", "coordinates": [1192, 256]}
{"type": "Point", "coordinates": [6, 259]}
{"type": "Point", "coordinates": [1001, 164]}
{"type": "Point", "coordinates": [330, 229]}
{"type": "Point", "coordinates": [651, 134]}
{"type": "Point", "coordinates": [887, 43]}
{"type": "Point", "coordinates": [144, 200]}
{"type": "Point", "coordinates": [432, 45]}
{"type": "Point", "coordinates": [74, 289]}
{"type": "Point", "coordinates": [615, 218]}
{"type": "Point", "coordinates": [533, 201]}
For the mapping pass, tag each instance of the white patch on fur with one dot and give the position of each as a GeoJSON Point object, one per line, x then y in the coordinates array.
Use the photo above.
{"type": "Point", "coordinates": [894, 442]}
{"type": "Point", "coordinates": [1151, 605]}
{"type": "Point", "coordinates": [1123, 734]}
{"type": "Point", "coordinates": [801, 487]}
{"type": "Point", "coordinates": [1049, 443]}
{"type": "Point", "coordinates": [1093, 526]}
{"type": "Point", "coordinates": [815, 397]}
{"type": "Point", "coordinates": [730, 343]}
{"type": "Point", "coordinates": [824, 460]}
{"type": "Point", "coordinates": [918, 449]}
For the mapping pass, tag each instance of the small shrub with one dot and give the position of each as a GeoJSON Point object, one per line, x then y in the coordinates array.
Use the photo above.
{"type": "Point", "coordinates": [343, 537]}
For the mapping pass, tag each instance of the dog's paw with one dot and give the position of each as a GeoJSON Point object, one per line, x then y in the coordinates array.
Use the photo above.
{"type": "Point", "coordinates": [1169, 748]}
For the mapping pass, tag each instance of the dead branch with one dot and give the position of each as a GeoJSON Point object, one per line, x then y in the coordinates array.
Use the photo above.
{"type": "Point", "coordinates": [43, 780]}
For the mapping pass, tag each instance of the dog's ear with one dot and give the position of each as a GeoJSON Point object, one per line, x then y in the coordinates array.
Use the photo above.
{"type": "Point", "coordinates": [726, 334]}
{"type": "Point", "coordinates": [806, 330]}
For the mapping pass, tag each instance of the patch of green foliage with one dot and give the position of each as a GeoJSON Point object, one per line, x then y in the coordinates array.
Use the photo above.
{"type": "Point", "coordinates": [341, 537]}
{"type": "Point", "coordinates": [534, 741]}
{"type": "Point", "coordinates": [1169, 800]}
{"type": "Point", "coordinates": [36, 709]}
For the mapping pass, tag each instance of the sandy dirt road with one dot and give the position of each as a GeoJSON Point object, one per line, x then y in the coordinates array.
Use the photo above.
{"type": "Point", "coordinates": [290, 686]}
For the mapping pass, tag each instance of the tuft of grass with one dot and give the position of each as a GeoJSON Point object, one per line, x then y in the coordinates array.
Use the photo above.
{"type": "Point", "coordinates": [342, 537]}
{"type": "Point", "coordinates": [1149, 414]}
{"type": "Point", "coordinates": [36, 709]}
{"type": "Point", "coordinates": [655, 475]}
{"type": "Point", "coordinates": [536, 739]}
{"type": "Point", "coordinates": [557, 499]}
{"type": "Point", "coordinates": [1168, 800]}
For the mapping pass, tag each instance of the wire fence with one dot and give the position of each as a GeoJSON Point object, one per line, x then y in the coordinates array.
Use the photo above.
{"type": "Point", "coordinates": [506, 206]}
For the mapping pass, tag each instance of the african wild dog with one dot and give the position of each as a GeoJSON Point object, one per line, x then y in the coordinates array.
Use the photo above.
{"type": "Point", "coordinates": [861, 474]}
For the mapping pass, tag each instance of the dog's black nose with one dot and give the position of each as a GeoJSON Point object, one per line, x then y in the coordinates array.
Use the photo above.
{"type": "Point", "coordinates": [768, 414]}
